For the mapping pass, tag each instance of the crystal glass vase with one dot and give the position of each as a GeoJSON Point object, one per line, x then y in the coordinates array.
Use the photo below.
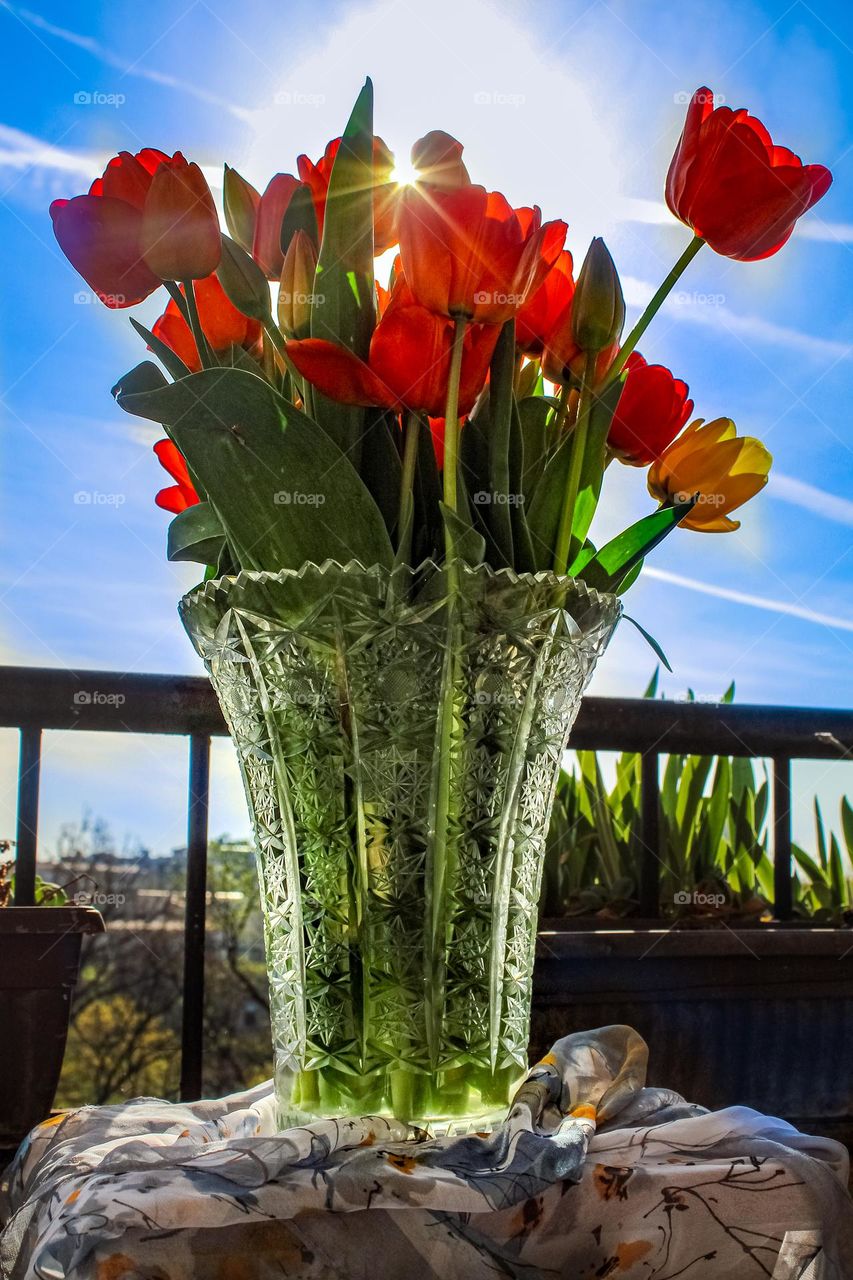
{"type": "Point", "coordinates": [399, 737]}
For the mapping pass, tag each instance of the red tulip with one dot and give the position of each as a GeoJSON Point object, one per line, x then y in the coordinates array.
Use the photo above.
{"type": "Point", "coordinates": [652, 409]}
{"type": "Point", "coordinates": [177, 497]}
{"type": "Point", "coordinates": [385, 192]}
{"type": "Point", "coordinates": [408, 364]}
{"type": "Point", "coordinates": [733, 187]}
{"type": "Point", "coordinates": [222, 324]}
{"type": "Point", "coordinates": [180, 237]}
{"type": "Point", "coordinates": [266, 248]}
{"type": "Point", "coordinates": [437, 159]}
{"type": "Point", "coordinates": [99, 232]}
{"type": "Point", "coordinates": [547, 309]}
{"type": "Point", "coordinates": [468, 253]}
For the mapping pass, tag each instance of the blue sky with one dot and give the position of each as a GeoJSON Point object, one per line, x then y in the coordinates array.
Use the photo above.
{"type": "Point", "coordinates": [574, 105]}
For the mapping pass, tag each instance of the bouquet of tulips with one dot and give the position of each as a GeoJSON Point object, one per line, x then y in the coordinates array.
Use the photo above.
{"type": "Point", "coordinates": [467, 407]}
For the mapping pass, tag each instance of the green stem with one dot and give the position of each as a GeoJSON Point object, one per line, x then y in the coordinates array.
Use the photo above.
{"type": "Point", "coordinates": [562, 409]}
{"type": "Point", "coordinates": [204, 352]}
{"type": "Point", "coordinates": [407, 483]}
{"type": "Point", "coordinates": [451, 442]}
{"type": "Point", "coordinates": [276, 337]}
{"type": "Point", "coordinates": [652, 309]}
{"type": "Point", "coordinates": [578, 445]}
{"type": "Point", "coordinates": [441, 854]}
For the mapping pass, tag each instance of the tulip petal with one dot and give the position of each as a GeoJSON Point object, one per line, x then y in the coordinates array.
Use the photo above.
{"type": "Point", "coordinates": [339, 374]}
{"type": "Point", "coordinates": [100, 238]}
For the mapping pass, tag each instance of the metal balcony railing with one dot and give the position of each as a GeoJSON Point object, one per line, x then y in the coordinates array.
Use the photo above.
{"type": "Point", "coordinates": [35, 699]}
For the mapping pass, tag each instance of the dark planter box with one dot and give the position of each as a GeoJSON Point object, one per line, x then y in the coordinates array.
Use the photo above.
{"type": "Point", "coordinates": [39, 961]}
{"type": "Point", "coordinates": [760, 1016]}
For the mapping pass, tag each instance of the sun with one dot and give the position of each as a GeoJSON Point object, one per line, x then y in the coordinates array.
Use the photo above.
{"type": "Point", "coordinates": [404, 174]}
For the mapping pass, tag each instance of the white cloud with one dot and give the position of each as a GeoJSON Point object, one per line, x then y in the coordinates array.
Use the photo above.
{"type": "Point", "coordinates": [139, 68]}
{"type": "Point", "coordinates": [710, 311]}
{"type": "Point", "coordinates": [655, 213]}
{"type": "Point", "coordinates": [807, 496]}
{"type": "Point", "coordinates": [747, 598]}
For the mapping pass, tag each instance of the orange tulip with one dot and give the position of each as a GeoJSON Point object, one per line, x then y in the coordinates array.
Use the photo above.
{"type": "Point", "coordinates": [468, 254]}
{"type": "Point", "coordinates": [222, 324]}
{"type": "Point", "coordinates": [179, 236]}
{"type": "Point", "coordinates": [408, 364]}
{"type": "Point", "coordinates": [180, 495]}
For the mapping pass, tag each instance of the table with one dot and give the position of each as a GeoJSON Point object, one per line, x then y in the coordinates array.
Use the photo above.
{"type": "Point", "coordinates": [594, 1175]}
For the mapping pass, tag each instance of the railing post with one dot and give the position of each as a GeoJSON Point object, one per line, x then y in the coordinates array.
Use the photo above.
{"type": "Point", "coordinates": [782, 898]}
{"type": "Point", "coordinates": [192, 1030]}
{"type": "Point", "coordinates": [649, 836]}
{"type": "Point", "coordinates": [26, 838]}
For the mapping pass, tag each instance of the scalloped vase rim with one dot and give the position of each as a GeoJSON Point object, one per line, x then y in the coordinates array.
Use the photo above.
{"type": "Point", "coordinates": [230, 582]}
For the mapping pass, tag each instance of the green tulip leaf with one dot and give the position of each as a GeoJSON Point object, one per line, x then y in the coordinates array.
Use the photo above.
{"type": "Point", "coordinates": [608, 568]}
{"type": "Point", "coordinates": [501, 399]}
{"type": "Point", "coordinates": [533, 415]}
{"type": "Point", "coordinates": [285, 493]}
{"type": "Point", "coordinates": [650, 640]}
{"type": "Point", "coordinates": [594, 458]}
{"type": "Point", "coordinates": [470, 545]}
{"type": "Point", "coordinates": [172, 363]}
{"type": "Point", "coordinates": [142, 378]}
{"type": "Point", "coordinates": [196, 535]}
{"type": "Point", "coordinates": [344, 310]}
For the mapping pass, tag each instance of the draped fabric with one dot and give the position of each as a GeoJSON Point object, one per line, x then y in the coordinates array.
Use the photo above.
{"type": "Point", "coordinates": [593, 1175]}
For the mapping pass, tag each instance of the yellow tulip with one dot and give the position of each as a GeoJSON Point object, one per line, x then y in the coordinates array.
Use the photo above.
{"type": "Point", "coordinates": [712, 461]}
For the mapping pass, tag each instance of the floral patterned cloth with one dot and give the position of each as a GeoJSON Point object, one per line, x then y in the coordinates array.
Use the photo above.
{"type": "Point", "coordinates": [592, 1176]}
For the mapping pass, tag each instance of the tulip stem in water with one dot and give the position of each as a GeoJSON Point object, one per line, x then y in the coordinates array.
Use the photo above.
{"type": "Point", "coordinates": [204, 353]}
{"type": "Point", "coordinates": [577, 444]}
{"type": "Point", "coordinates": [652, 309]}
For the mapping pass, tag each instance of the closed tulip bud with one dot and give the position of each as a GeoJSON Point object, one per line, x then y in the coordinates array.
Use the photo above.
{"type": "Point", "coordinates": [297, 286]}
{"type": "Point", "coordinates": [179, 235]}
{"type": "Point", "coordinates": [437, 158]}
{"type": "Point", "coordinates": [243, 282]}
{"type": "Point", "coordinates": [598, 308]}
{"type": "Point", "coordinates": [240, 201]}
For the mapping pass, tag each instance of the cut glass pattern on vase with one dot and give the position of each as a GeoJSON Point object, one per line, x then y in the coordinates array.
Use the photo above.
{"type": "Point", "coordinates": [399, 754]}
